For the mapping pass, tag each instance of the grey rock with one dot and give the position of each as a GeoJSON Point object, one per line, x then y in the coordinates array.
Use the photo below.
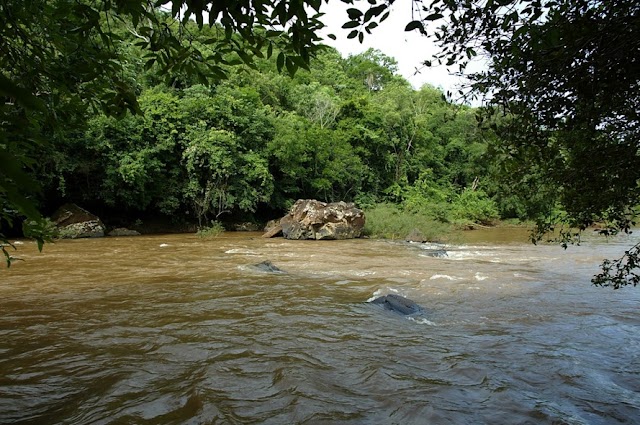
{"type": "Point", "coordinates": [268, 267]}
{"type": "Point", "coordinates": [398, 304]}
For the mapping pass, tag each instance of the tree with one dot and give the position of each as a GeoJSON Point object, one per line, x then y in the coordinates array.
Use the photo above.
{"type": "Point", "coordinates": [567, 73]}
{"type": "Point", "coordinates": [60, 58]}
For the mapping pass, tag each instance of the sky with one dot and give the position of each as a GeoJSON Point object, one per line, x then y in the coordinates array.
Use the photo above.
{"type": "Point", "coordinates": [410, 49]}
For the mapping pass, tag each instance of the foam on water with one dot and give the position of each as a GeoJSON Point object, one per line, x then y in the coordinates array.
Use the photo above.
{"type": "Point", "coordinates": [379, 292]}
{"type": "Point", "coordinates": [240, 251]}
{"type": "Point", "coordinates": [444, 276]}
{"type": "Point", "coordinates": [422, 321]}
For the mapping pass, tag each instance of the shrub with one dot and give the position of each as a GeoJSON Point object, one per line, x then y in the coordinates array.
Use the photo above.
{"type": "Point", "coordinates": [475, 206]}
{"type": "Point", "coordinates": [212, 231]}
{"type": "Point", "coordinates": [388, 222]}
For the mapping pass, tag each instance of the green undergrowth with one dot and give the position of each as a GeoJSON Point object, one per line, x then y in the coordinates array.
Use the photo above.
{"type": "Point", "coordinates": [209, 232]}
{"type": "Point", "coordinates": [387, 221]}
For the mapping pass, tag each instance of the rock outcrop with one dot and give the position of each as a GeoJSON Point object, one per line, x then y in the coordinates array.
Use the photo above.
{"type": "Point", "coordinates": [272, 229]}
{"type": "Point", "coordinates": [311, 219]}
{"type": "Point", "coordinates": [75, 222]}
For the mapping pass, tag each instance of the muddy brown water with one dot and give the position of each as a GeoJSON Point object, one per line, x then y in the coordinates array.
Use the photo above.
{"type": "Point", "coordinates": [172, 329]}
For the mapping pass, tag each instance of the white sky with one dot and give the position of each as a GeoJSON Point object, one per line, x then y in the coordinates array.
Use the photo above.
{"type": "Point", "coordinates": [410, 49]}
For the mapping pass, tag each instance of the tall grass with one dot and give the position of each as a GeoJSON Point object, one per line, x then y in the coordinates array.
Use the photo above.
{"type": "Point", "coordinates": [387, 221]}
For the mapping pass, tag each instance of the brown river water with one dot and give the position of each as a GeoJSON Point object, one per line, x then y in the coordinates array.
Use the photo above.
{"type": "Point", "coordinates": [172, 329]}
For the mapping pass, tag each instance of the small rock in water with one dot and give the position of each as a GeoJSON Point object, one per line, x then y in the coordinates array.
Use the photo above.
{"type": "Point", "coordinates": [437, 253]}
{"type": "Point", "coordinates": [398, 304]}
{"type": "Point", "coordinates": [163, 245]}
{"type": "Point", "coordinates": [267, 266]}
{"type": "Point", "coordinates": [18, 243]}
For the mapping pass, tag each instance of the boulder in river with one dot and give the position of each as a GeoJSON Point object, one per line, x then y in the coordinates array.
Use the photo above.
{"type": "Point", "coordinates": [272, 229]}
{"type": "Point", "coordinates": [398, 304]}
{"type": "Point", "coordinates": [75, 222]}
{"type": "Point", "coordinates": [311, 219]}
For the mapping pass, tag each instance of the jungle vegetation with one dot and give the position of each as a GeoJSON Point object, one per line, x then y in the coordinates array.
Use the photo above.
{"type": "Point", "coordinates": [211, 110]}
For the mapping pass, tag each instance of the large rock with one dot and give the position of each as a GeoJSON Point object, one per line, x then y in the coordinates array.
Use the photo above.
{"type": "Point", "coordinates": [75, 222]}
{"type": "Point", "coordinates": [311, 219]}
{"type": "Point", "coordinates": [272, 229]}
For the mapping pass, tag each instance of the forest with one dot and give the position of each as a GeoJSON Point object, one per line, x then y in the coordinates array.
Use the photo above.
{"type": "Point", "coordinates": [248, 146]}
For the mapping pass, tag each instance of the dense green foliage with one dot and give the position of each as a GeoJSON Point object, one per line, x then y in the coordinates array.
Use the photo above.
{"type": "Point", "coordinates": [258, 141]}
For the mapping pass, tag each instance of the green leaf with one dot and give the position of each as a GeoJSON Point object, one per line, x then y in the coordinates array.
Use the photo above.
{"type": "Point", "coordinates": [22, 96]}
{"type": "Point", "coordinates": [413, 25]}
{"type": "Point", "coordinates": [351, 24]}
{"type": "Point", "coordinates": [292, 67]}
{"type": "Point", "coordinates": [280, 61]}
{"type": "Point", "coordinates": [354, 13]}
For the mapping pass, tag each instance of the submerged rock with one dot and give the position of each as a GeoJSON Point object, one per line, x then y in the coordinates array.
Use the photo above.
{"type": "Point", "coordinates": [398, 304]}
{"type": "Point", "coordinates": [438, 253]}
{"type": "Point", "coordinates": [267, 266]}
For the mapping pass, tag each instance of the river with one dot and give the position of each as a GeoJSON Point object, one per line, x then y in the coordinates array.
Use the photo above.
{"type": "Point", "coordinates": [173, 329]}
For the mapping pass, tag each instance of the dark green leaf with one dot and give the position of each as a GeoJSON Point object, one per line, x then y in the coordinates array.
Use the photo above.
{"type": "Point", "coordinates": [354, 14]}
{"type": "Point", "coordinates": [351, 24]}
{"type": "Point", "coordinates": [413, 25]}
{"type": "Point", "coordinates": [280, 61]}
